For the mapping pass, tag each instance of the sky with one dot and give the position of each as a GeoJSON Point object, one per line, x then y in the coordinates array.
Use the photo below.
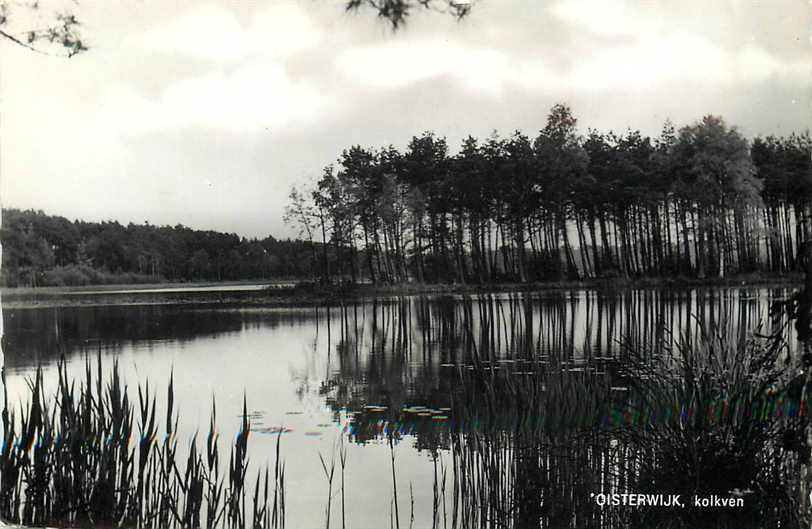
{"type": "Point", "coordinates": [205, 113]}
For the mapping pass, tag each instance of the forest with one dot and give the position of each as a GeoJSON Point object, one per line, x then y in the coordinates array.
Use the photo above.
{"type": "Point", "coordinates": [46, 250]}
{"type": "Point", "coordinates": [699, 202]}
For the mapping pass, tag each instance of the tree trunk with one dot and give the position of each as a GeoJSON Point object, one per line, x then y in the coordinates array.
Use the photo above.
{"type": "Point", "coordinates": [519, 236]}
{"type": "Point", "coordinates": [326, 264]}
{"type": "Point", "coordinates": [369, 255]}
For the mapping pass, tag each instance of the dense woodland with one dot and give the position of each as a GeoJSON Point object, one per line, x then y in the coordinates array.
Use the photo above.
{"type": "Point", "coordinates": [45, 250]}
{"type": "Point", "coordinates": [701, 201]}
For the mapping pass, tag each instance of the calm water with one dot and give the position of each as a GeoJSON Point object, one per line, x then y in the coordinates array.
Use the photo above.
{"type": "Point", "coordinates": [328, 373]}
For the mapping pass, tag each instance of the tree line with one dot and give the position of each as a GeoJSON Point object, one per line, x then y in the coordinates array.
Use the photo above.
{"type": "Point", "coordinates": [46, 250]}
{"type": "Point", "coordinates": [701, 201]}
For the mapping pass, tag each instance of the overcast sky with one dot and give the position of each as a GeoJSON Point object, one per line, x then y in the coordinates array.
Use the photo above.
{"type": "Point", "coordinates": [205, 113]}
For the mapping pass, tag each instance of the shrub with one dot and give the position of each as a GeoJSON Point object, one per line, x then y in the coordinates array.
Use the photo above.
{"type": "Point", "coordinates": [82, 275]}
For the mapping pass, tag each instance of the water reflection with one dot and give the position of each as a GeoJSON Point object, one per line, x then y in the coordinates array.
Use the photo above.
{"type": "Point", "coordinates": [524, 393]}
{"type": "Point", "coordinates": [40, 335]}
{"type": "Point", "coordinates": [495, 404]}
{"type": "Point", "coordinates": [395, 354]}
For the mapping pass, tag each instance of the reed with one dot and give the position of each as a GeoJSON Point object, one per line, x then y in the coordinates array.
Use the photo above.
{"type": "Point", "coordinates": [329, 473]}
{"type": "Point", "coordinates": [717, 415]}
{"type": "Point", "coordinates": [69, 460]}
{"type": "Point", "coordinates": [342, 457]}
{"type": "Point", "coordinates": [701, 415]}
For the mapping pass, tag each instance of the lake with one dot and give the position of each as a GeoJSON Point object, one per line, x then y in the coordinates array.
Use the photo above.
{"type": "Point", "coordinates": [361, 374]}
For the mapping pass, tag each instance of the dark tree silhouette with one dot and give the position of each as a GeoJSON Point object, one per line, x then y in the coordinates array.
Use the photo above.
{"type": "Point", "coordinates": [34, 27]}
{"type": "Point", "coordinates": [40, 250]}
{"type": "Point", "coordinates": [697, 202]}
{"type": "Point", "coordinates": [397, 11]}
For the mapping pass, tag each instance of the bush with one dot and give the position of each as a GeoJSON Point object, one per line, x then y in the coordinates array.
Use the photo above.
{"type": "Point", "coordinates": [81, 275]}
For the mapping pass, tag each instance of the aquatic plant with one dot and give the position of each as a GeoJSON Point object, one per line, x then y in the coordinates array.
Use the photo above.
{"type": "Point", "coordinates": [716, 416]}
{"type": "Point", "coordinates": [69, 460]}
{"type": "Point", "coordinates": [710, 414]}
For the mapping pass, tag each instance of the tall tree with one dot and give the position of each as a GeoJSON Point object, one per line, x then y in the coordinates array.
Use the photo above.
{"type": "Point", "coordinates": [561, 162]}
{"type": "Point", "coordinates": [718, 174]}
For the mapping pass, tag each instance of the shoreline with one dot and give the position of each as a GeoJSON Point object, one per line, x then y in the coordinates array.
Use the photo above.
{"type": "Point", "coordinates": [290, 294]}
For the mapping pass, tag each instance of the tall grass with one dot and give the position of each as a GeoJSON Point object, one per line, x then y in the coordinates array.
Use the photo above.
{"type": "Point", "coordinates": [710, 414]}
{"type": "Point", "coordinates": [718, 416]}
{"type": "Point", "coordinates": [89, 456]}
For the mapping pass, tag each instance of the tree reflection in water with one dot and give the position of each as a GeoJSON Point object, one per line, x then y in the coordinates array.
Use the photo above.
{"type": "Point", "coordinates": [531, 405]}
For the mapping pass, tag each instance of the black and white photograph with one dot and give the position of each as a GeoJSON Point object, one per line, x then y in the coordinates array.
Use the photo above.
{"type": "Point", "coordinates": [406, 264]}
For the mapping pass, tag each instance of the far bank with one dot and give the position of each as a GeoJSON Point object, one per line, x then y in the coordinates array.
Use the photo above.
{"type": "Point", "coordinates": [291, 293]}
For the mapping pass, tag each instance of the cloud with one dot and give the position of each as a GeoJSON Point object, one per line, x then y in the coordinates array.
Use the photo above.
{"type": "Point", "coordinates": [755, 64]}
{"type": "Point", "coordinates": [677, 59]}
{"type": "Point", "coordinates": [610, 18]}
{"type": "Point", "coordinates": [402, 63]}
{"type": "Point", "coordinates": [173, 100]}
{"type": "Point", "coordinates": [655, 46]}
{"type": "Point", "coordinates": [250, 99]}
{"type": "Point", "coordinates": [213, 33]}
{"type": "Point", "coordinates": [648, 62]}
{"type": "Point", "coordinates": [243, 83]}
